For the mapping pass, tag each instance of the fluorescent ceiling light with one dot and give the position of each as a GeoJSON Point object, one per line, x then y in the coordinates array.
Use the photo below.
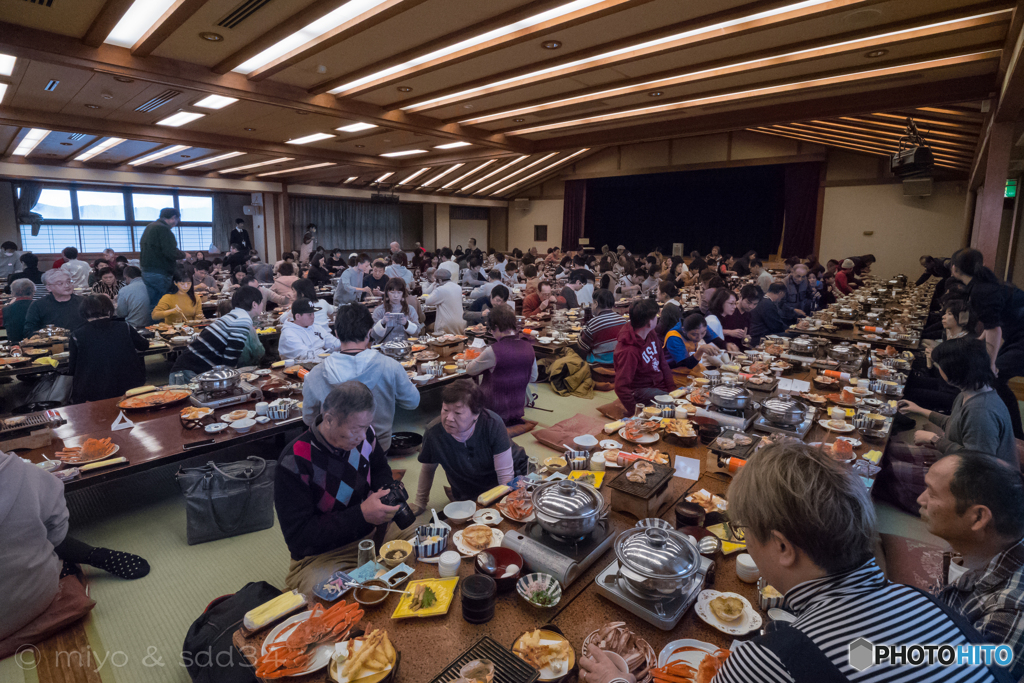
{"type": "Point", "coordinates": [210, 160]}
{"type": "Point", "coordinates": [417, 174]}
{"type": "Point", "coordinates": [384, 177]}
{"type": "Point", "coordinates": [466, 175]}
{"type": "Point", "coordinates": [442, 174]}
{"type": "Point", "coordinates": [261, 163]}
{"type": "Point", "coordinates": [405, 153]}
{"type": "Point", "coordinates": [524, 24]}
{"type": "Point", "coordinates": [7, 65]}
{"type": "Point", "coordinates": [537, 173]}
{"type": "Point", "coordinates": [215, 102]}
{"type": "Point", "coordinates": [513, 174]}
{"type": "Point", "coordinates": [96, 150]}
{"type": "Point", "coordinates": [3, 91]}
{"type": "Point", "coordinates": [347, 12]}
{"type": "Point", "coordinates": [180, 119]}
{"type": "Point", "coordinates": [140, 17]}
{"type": "Point", "coordinates": [710, 31]}
{"type": "Point", "coordinates": [29, 142]}
{"type": "Point", "coordinates": [300, 168]}
{"type": "Point", "coordinates": [315, 137]}
{"type": "Point", "coordinates": [453, 145]}
{"type": "Point", "coordinates": [494, 172]}
{"type": "Point", "coordinates": [355, 177]}
{"type": "Point", "coordinates": [356, 127]}
{"type": "Point", "coordinates": [158, 155]}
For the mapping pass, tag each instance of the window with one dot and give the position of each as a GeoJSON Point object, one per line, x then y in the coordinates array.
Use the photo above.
{"type": "Point", "coordinates": [540, 233]}
{"type": "Point", "coordinates": [96, 238]}
{"type": "Point", "coordinates": [100, 206]}
{"type": "Point", "coordinates": [194, 238]}
{"type": "Point", "coordinates": [147, 206]}
{"type": "Point", "coordinates": [51, 238]}
{"type": "Point", "coordinates": [196, 209]}
{"type": "Point", "coordinates": [54, 205]}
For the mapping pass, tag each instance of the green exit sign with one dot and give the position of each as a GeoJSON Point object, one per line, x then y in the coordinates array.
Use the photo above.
{"type": "Point", "coordinates": [1011, 188]}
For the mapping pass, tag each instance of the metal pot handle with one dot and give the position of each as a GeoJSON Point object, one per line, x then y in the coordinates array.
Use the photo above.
{"type": "Point", "coordinates": [604, 511]}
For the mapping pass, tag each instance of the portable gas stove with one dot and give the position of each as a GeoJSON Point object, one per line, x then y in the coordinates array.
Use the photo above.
{"type": "Point", "coordinates": [800, 431]}
{"type": "Point", "coordinates": [242, 393]}
{"type": "Point", "coordinates": [664, 613]}
{"type": "Point", "coordinates": [563, 558]}
{"type": "Point", "coordinates": [737, 419]}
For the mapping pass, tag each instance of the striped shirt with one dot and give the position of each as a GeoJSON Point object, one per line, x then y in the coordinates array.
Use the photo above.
{"type": "Point", "coordinates": [600, 336]}
{"type": "Point", "coordinates": [221, 343]}
{"type": "Point", "coordinates": [836, 610]}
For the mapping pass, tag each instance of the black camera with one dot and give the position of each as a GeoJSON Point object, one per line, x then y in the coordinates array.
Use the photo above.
{"type": "Point", "coordinates": [397, 495]}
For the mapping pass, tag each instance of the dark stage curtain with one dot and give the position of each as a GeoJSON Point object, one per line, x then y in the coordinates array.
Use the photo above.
{"type": "Point", "coordinates": [346, 225]}
{"type": "Point", "coordinates": [738, 209]}
{"type": "Point", "coordinates": [802, 184]}
{"type": "Point", "coordinates": [575, 208]}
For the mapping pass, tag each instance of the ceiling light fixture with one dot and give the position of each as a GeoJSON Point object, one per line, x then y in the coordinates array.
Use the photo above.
{"type": "Point", "coordinates": [215, 102]}
{"type": "Point", "coordinates": [540, 172]}
{"type": "Point", "coordinates": [493, 173]}
{"type": "Point", "coordinates": [300, 168]}
{"type": "Point", "coordinates": [52, 85]}
{"type": "Point", "coordinates": [551, 45]}
{"type": "Point", "coordinates": [210, 160]}
{"type": "Point", "coordinates": [158, 155]}
{"type": "Point", "coordinates": [513, 174]}
{"type": "Point", "coordinates": [211, 36]}
{"type": "Point", "coordinates": [357, 127]}
{"type": "Point", "coordinates": [136, 22]}
{"type": "Point", "coordinates": [442, 174]}
{"type": "Point", "coordinates": [466, 175]}
{"type": "Point", "coordinates": [66, 144]}
{"type": "Point", "coordinates": [350, 179]}
{"type": "Point", "coordinates": [417, 174]}
{"type": "Point", "coordinates": [761, 92]}
{"type": "Point", "coordinates": [28, 143]}
{"type": "Point", "coordinates": [360, 146]}
{"type": "Point", "coordinates": [344, 14]}
{"type": "Point", "coordinates": [261, 163]}
{"type": "Point", "coordinates": [7, 64]}
{"type": "Point", "coordinates": [180, 119]}
{"type": "Point", "coordinates": [315, 137]}
{"type": "Point", "coordinates": [92, 106]}
{"type": "Point", "coordinates": [124, 79]}
{"type": "Point", "coordinates": [384, 177]}
{"type": "Point", "coordinates": [628, 51]}
{"type": "Point", "coordinates": [109, 143]}
{"type": "Point", "coordinates": [529, 22]}
{"type": "Point", "coordinates": [406, 153]}
{"type": "Point", "coordinates": [404, 88]}
{"type": "Point", "coordinates": [876, 53]}
{"type": "Point", "coordinates": [453, 145]}
{"type": "Point", "coordinates": [3, 91]}
{"type": "Point", "coordinates": [656, 93]}
{"type": "Point", "coordinates": [249, 129]}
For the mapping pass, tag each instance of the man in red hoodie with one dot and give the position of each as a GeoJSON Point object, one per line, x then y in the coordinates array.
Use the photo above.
{"type": "Point", "coordinates": [641, 371]}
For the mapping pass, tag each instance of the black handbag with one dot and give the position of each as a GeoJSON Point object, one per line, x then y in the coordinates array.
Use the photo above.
{"type": "Point", "coordinates": [227, 500]}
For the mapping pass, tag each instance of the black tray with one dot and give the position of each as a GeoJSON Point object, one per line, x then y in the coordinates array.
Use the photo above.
{"type": "Point", "coordinates": [507, 667]}
{"type": "Point", "coordinates": [770, 386]}
{"type": "Point", "coordinates": [661, 474]}
{"type": "Point", "coordinates": [738, 452]}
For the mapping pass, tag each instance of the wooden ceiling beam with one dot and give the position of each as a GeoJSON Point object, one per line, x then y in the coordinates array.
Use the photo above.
{"type": "Point", "coordinates": [33, 44]}
{"type": "Point", "coordinates": [973, 116]}
{"type": "Point", "coordinates": [886, 145]}
{"type": "Point", "coordinates": [870, 122]}
{"type": "Point", "coordinates": [176, 15]}
{"type": "Point", "coordinates": [180, 136]}
{"type": "Point", "coordinates": [893, 139]}
{"type": "Point", "coordinates": [105, 21]}
{"type": "Point", "coordinates": [1011, 92]}
{"type": "Point", "coordinates": [337, 35]}
{"type": "Point", "coordinates": [967, 144]}
{"type": "Point", "coordinates": [619, 51]}
{"type": "Point", "coordinates": [956, 127]}
{"type": "Point", "coordinates": [713, 120]}
{"type": "Point", "coordinates": [851, 147]}
{"type": "Point", "coordinates": [600, 10]}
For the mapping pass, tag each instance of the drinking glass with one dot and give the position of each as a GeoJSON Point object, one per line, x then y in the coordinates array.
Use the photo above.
{"type": "Point", "coordinates": [367, 552]}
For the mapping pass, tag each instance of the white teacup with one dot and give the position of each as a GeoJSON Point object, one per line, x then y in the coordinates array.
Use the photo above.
{"type": "Point", "coordinates": [262, 407]}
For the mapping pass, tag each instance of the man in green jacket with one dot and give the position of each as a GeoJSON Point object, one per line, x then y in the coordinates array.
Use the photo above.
{"type": "Point", "coordinates": [160, 254]}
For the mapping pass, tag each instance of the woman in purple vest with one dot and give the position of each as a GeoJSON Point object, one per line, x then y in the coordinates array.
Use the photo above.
{"type": "Point", "coordinates": [508, 366]}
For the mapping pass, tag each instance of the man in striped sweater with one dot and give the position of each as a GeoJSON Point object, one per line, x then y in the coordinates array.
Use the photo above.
{"type": "Point", "coordinates": [231, 340]}
{"type": "Point", "coordinates": [809, 525]}
{"type": "Point", "coordinates": [600, 334]}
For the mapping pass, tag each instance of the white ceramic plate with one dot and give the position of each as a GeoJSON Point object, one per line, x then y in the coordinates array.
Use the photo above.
{"type": "Point", "coordinates": [646, 438]}
{"type": "Point", "coordinates": [668, 653]}
{"type": "Point", "coordinates": [529, 518]}
{"type": "Point", "coordinates": [824, 423]}
{"type": "Point", "coordinates": [216, 427]}
{"type": "Point", "coordinates": [264, 371]}
{"type": "Point", "coordinates": [322, 654]}
{"type": "Point", "coordinates": [853, 442]}
{"type": "Point", "coordinates": [749, 621]}
{"type": "Point", "coordinates": [249, 415]}
{"type": "Point", "coordinates": [466, 551]}
{"type": "Point", "coordinates": [487, 516]}
{"type": "Point", "coordinates": [608, 444]}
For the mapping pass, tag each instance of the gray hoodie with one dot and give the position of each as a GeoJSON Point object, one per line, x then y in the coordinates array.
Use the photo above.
{"type": "Point", "coordinates": [33, 521]}
{"type": "Point", "coordinates": [384, 376]}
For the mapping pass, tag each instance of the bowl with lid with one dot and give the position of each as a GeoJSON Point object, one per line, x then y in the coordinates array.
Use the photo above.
{"type": "Point", "coordinates": [568, 508]}
{"type": "Point", "coordinates": [656, 563]}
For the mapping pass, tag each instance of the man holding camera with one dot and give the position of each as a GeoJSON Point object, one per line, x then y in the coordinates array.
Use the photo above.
{"type": "Point", "coordinates": [334, 488]}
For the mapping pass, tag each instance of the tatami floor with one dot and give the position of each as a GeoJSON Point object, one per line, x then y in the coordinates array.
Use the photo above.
{"type": "Point", "coordinates": [137, 627]}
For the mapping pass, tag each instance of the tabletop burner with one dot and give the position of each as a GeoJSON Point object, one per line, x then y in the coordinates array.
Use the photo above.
{"type": "Point", "coordinates": [737, 419]}
{"type": "Point", "coordinates": [664, 613]}
{"type": "Point", "coordinates": [565, 559]}
{"type": "Point", "coordinates": [800, 431]}
{"type": "Point", "coordinates": [222, 398]}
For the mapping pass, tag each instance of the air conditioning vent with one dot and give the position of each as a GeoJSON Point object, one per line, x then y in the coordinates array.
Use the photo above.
{"type": "Point", "coordinates": [51, 86]}
{"type": "Point", "coordinates": [76, 136]}
{"type": "Point", "coordinates": [41, 3]}
{"type": "Point", "coordinates": [241, 13]}
{"type": "Point", "coordinates": [158, 101]}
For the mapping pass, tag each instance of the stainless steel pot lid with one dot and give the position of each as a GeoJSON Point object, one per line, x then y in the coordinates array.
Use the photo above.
{"type": "Point", "coordinates": [778, 406]}
{"type": "Point", "coordinates": [657, 553]}
{"type": "Point", "coordinates": [567, 499]}
{"type": "Point", "coordinates": [730, 393]}
{"type": "Point", "coordinates": [217, 374]}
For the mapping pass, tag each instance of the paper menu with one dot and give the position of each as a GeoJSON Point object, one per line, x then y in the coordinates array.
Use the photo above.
{"type": "Point", "coordinates": [687, 468]}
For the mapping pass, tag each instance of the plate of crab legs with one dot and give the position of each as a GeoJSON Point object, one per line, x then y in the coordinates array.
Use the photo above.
{"type": "Point", "coordinates": [305, 642]}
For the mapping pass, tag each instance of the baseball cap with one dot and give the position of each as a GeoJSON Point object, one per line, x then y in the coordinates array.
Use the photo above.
{"type": "Point", "coordinates": [303, 306]}
{"type": "Point", "coordinates": [847, 263]}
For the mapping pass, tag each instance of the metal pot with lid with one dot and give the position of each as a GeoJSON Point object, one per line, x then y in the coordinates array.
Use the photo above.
{"type": "Point", "coordinates": [396, 348]}
{"type": "Point", "coordinates": [803, 345]}
{"type": "Point", "coordinates": [844, 352]}
{"type": "Point", "coordinates": [730, 397]}
{"type": "Point", "coordinates": [568, 508]}
{"type": "Point", "coordinates": [656, 563]}
{"type": "Point", "coordinates": [783, 410]}
{"type": "Point", "coordinates": [218, 378]}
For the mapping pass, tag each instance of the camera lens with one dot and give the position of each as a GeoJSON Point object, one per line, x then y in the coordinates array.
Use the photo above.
{"type": "Point", "coordinates": [404, 517]}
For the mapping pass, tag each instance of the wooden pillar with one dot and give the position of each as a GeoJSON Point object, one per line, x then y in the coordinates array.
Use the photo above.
{"type": "Point", "coordinates": [989, 206]}
{"type": "Point", "coordinates": [283, 220]}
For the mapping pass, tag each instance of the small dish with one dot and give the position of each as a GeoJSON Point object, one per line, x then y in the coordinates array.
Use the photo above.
{"type": "Point", "coordinates": [422, 379]}
{"type": "Point", "coordinates": [778, 614]}
{"type": "Point", "coordinates": [460, 512]}
{"type": "Point", "coordinates": [237, 415]}
{"type": "Point", "coordinates": [262, 419]}
{"type": "Point", "coordinates": [847, 427]}
{"type": "Point", "coordinates": [586, 441]}
{"type": "Point", "coordinates": [367, 596]}
{"type": "Point", "coordinates": [609, 444]}
{"type": "Point", "coordinates": [687, 650]}
{"type": "Point", "coordinates": [395, 552]}
{"type": "Point", "coordinates": [543, 585]}
{"type": "Point", "coordinates": [487, 516]}
{"type": "Point", "coordinates": [747, 622]}
{"type": "Point", "coordinates": [243, 426]}
{"type": "Point", "coordinates": [467, 551]}
{"type": "Point", "coordinates": [216, 427]}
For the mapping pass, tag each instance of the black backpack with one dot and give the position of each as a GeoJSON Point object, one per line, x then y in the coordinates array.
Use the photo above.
{"type": "Point", "coordinates": [208, 653]}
